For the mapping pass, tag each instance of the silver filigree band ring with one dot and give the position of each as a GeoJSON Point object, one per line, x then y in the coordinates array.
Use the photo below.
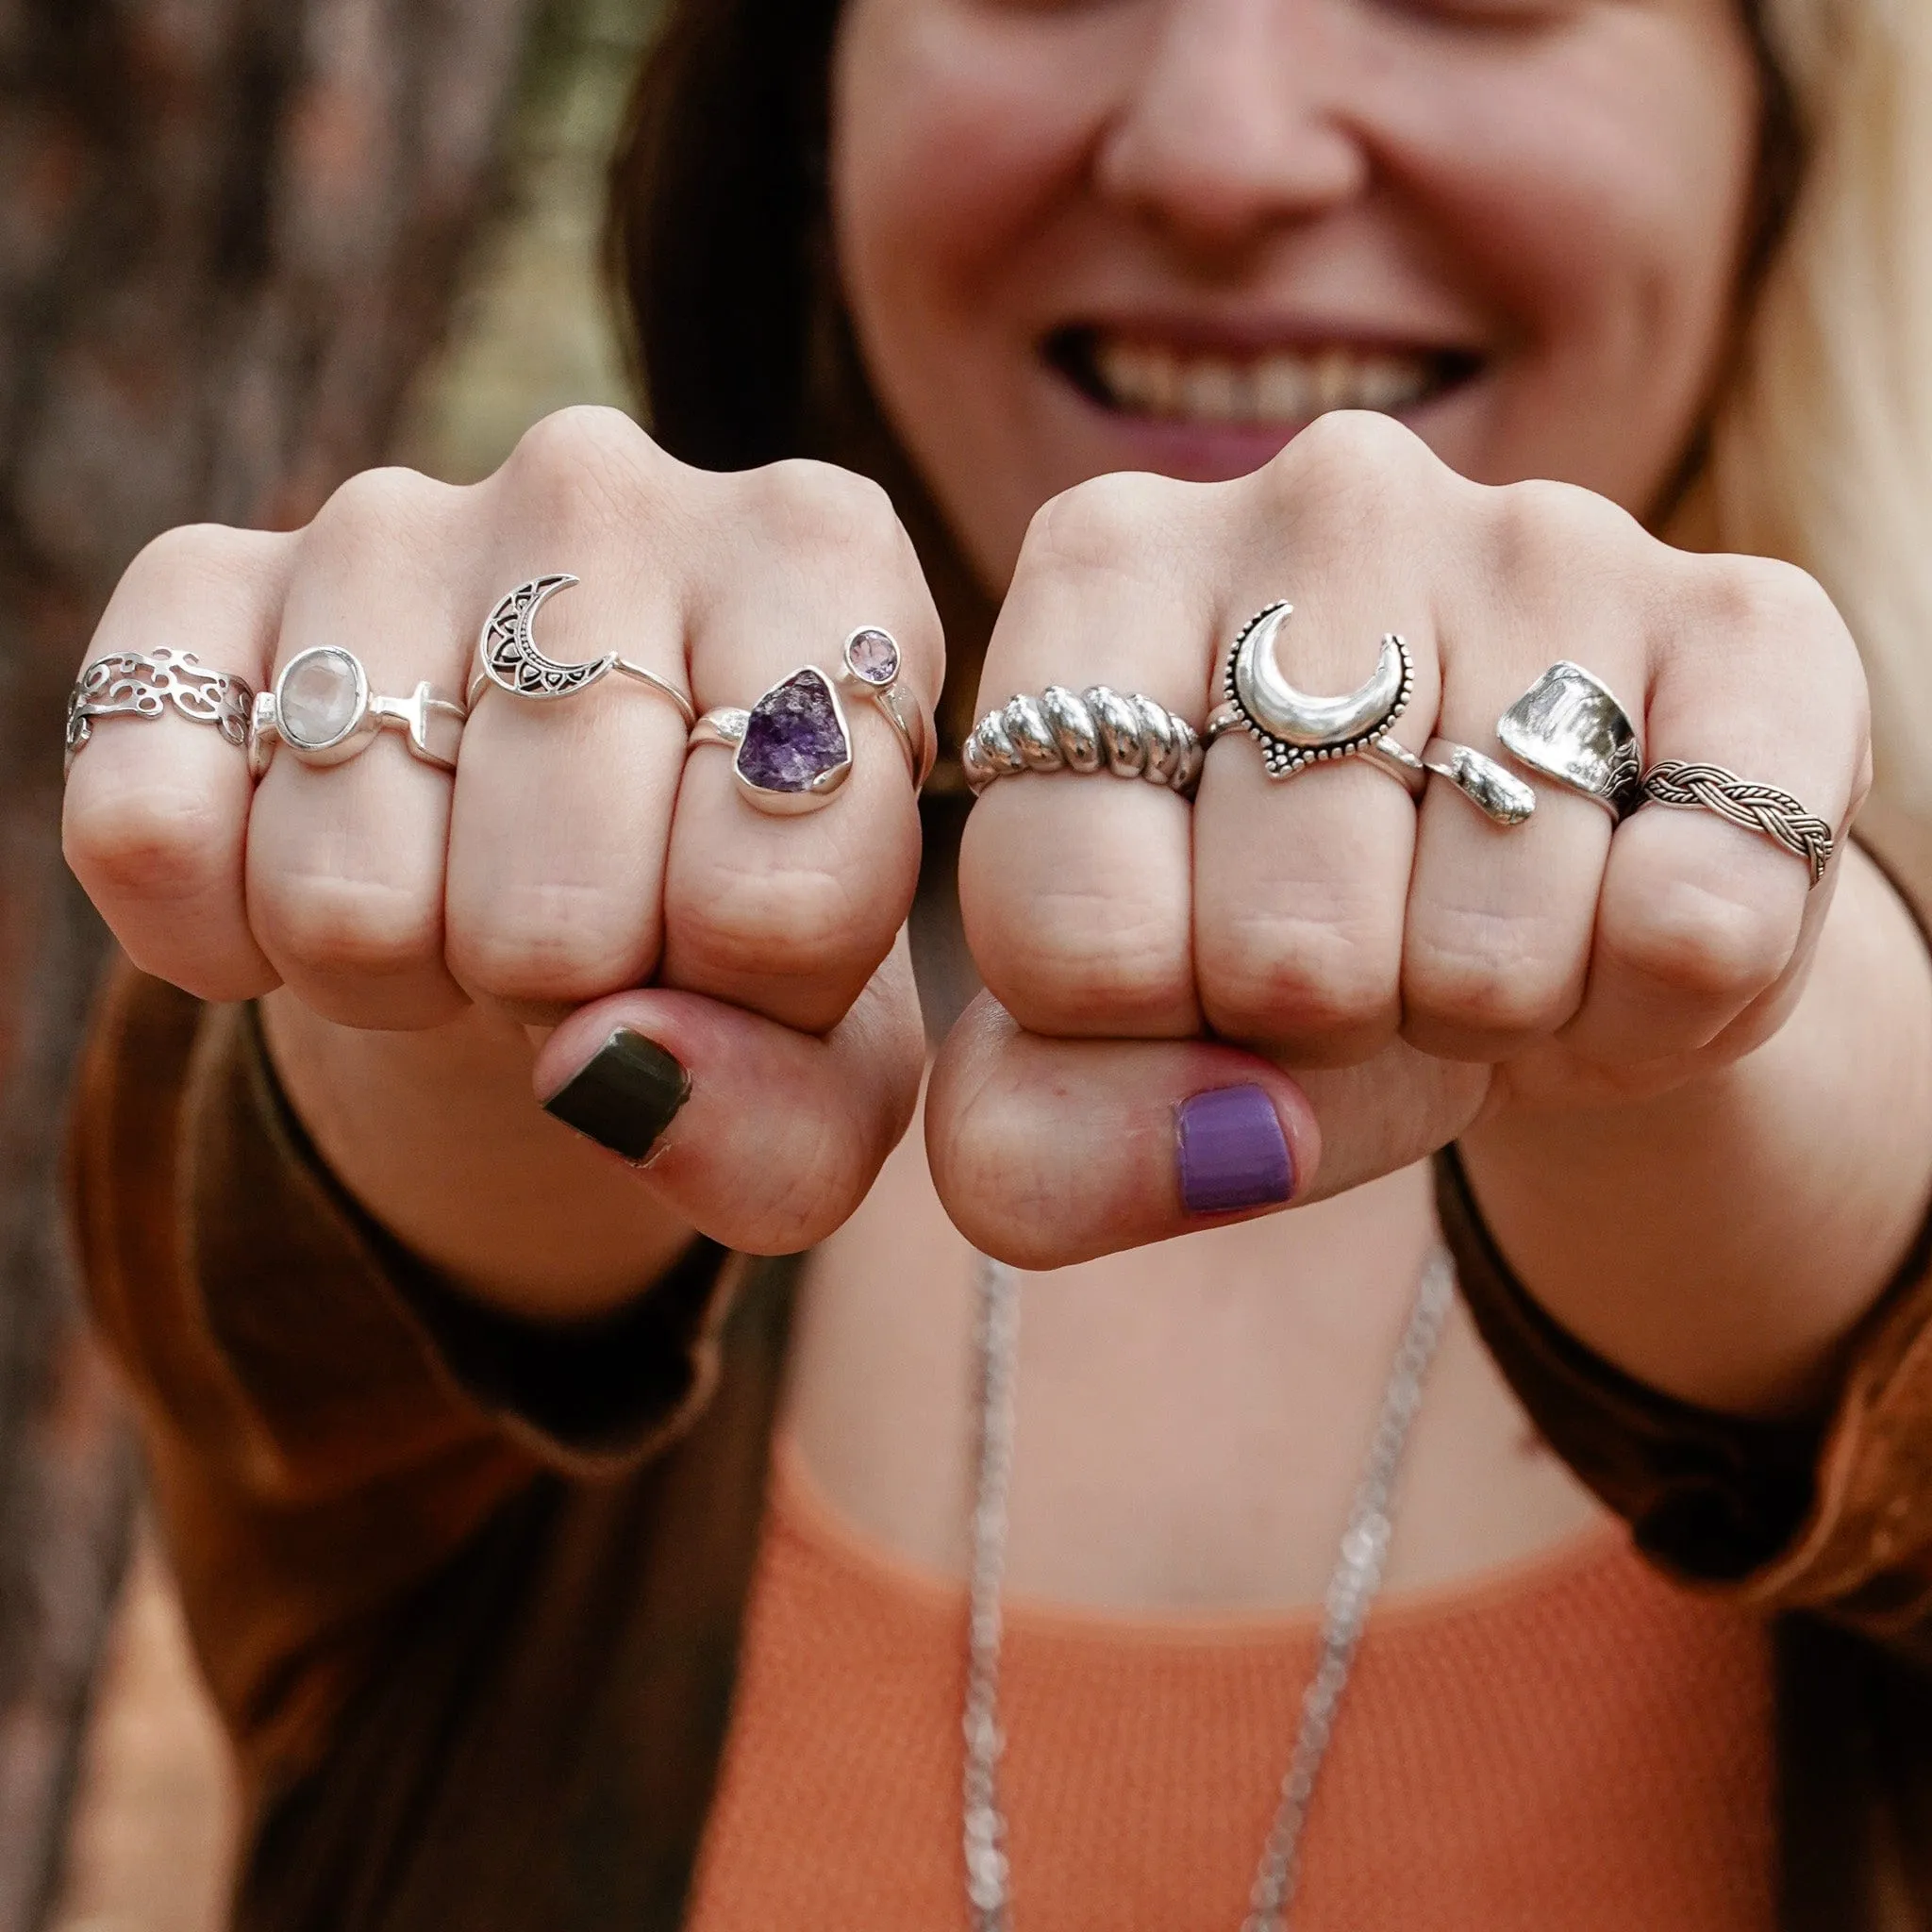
{"type": "Point", "coordinates": [132, 684]}
{"type": "Point", "coordinates": [509, 658]}
{"type": "Point", "coordinates": [792, 751]}
{"type": "Point", "coordinates": [1126, 735]}
{"type": "Point", "coordinates": [1762, 808]}
{"type": "Point", "coordinates": [323, 711]}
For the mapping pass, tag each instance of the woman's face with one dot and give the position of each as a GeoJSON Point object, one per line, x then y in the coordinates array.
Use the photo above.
{"type": "Point", "coordinates": [1088, 234]}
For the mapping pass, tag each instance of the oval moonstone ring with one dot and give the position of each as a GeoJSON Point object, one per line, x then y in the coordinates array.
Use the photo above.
{"type": "Point", "coordinates": [322, 710]}
{"type": "Point", "coordinates": [793, 749]}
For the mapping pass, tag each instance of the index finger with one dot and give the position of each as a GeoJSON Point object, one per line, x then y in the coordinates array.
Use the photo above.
{"type": "Point", "coordinates": [155, 822]}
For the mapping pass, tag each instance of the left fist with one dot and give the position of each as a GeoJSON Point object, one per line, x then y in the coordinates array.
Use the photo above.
{"type": "Point", "coordinates": [1417, 963]}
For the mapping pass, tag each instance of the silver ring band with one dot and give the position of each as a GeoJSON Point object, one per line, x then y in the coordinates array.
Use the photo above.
{"type": "Point", "coordinates": [508, 655]}
{"type": "Point", "coordinates": [1125, 735]}
{"type": "Point", "coordinates": [1762, 808]}
{"type": "Point", "coordinates": [1568, 727]}
{"type": "Point", "coordinates": [132, 684]}
{"type": "Point", "coordinates": [322, 710]}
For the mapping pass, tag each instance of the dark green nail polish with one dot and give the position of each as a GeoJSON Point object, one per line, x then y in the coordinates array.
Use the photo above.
{"type": "Point", "coordinates": [624, 1097]}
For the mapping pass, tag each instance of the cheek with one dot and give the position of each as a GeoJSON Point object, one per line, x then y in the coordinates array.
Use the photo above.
{"type": "Point", "coordinates": [1600, 191]}
{"type": "Point", "coordinates": [952, 134]}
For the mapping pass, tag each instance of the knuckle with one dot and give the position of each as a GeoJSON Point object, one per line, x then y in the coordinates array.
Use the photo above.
{"type": "Point", "coordinates": [390, 507]}
{"type": "Point", "coordinates": [1537, 521]}
{"type": "Point", "coordinates": [817, 505]}
{"type": "Point", "coordinates": [1489, 975]}
{"type": "Point", "coordinates": [1693, 941]}
{"type": "Point", "coordinates": [159, 842]}
{"type": "Point", "coordinates": [349, 927]}
{"type": "Point", "coordinates": [203, 570]}
{"type": "Point", "coordinates": [585, 458]}
{"type": "Point", "coordinates": [553, 940]}
{"type": "Point", "coordinates": [1102, 524]}
{"type": "Point", "coordinates": [794, 923]}
{"type": "Point", "coordinates": [1758, 598]}
{"type": "Point", "coordinates": [1348, 445]}
{"type": "Point", "coordinates": [1084, 961]}
{"type": "Point", "coordinates": [1283, 975]}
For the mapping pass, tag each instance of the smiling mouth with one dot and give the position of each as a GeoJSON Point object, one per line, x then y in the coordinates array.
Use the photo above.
{"type": "Point", "coordinates": [1263, 389]}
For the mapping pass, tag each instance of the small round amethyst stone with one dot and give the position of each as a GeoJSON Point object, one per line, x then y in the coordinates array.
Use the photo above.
{"type": "Point", "coordinates": [795, 735]}
{"type": "Point", "coordinates": [873, 657]}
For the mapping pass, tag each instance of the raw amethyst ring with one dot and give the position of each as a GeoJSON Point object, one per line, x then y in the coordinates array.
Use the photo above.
{"type": "Point", "coordinates": [793, 749]}
{"type": "Point", "coordinates": [322, 710]}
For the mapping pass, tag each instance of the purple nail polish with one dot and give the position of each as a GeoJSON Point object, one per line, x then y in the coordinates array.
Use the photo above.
{"type": "Point", "coordinates": [1232, 1152]}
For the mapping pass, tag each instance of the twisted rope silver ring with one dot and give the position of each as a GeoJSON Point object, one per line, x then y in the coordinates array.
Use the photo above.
{"type": "Point", "coordinates": [131, 684]}
{"type": "Point", "coordinates": [1762, 808]}
{"type": "Point", "coordinates": [1125, 735]}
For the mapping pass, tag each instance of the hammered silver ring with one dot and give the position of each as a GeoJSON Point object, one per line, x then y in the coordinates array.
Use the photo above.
{"type": "Point", "coordinates": [134, 684]}
{"type": "Point", "coordinates": [323, 712]}
{"type": "Point", "coordinates": [1125, 735]}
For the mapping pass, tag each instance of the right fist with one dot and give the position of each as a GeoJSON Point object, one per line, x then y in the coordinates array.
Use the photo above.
{"type": "Point", "coordinates": [577, 854]}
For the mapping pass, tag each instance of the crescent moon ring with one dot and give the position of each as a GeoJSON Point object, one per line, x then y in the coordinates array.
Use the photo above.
{"type": "Point", "coordinates": [1293, 730]}
{"type": "Point", "coordinates": [508, 655]}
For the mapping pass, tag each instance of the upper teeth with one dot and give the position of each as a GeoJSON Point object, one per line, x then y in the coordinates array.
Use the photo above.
{"type": "Point", "coordinates": [1277, 386]}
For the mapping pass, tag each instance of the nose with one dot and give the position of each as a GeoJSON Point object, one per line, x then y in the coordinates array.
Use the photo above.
{"type": "Point", "coordinates": [1236, 121]}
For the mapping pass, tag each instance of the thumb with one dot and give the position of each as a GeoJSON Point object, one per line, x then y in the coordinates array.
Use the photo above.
{"type": "Point", "coordinates": [1049, 1152]}
{"type": "Point", "coordinates": [763, 1138]}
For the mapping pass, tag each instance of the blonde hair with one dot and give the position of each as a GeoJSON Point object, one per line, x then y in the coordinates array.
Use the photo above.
{"type": "Point", "coordinates": [1820, 448]}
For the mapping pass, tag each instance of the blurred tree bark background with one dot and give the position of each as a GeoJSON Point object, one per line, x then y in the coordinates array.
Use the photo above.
{"type": "Point", "coordinates": [231, 234]}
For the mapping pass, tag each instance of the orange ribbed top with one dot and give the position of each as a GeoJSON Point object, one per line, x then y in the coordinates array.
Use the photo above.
{"type": "Point", "coordinates": [1573, 1746]}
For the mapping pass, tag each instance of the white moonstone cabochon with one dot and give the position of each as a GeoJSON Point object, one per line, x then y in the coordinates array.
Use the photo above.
{"type": "Point", "coordinates": [320, 697]}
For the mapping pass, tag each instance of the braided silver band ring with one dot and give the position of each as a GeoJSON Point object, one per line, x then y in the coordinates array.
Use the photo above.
{"type": "Point", "coordinates": [1126, 735]}
{"type": "Point", "coordinates": [1762, 808]}
{"type": "Point", "coordinates": [135, 684]}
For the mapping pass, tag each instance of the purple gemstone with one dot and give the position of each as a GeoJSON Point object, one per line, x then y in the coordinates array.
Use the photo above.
{"type": "Point", "coordinates": [795, 735]}
{"type": "Point", "coordinates": [873, 657]}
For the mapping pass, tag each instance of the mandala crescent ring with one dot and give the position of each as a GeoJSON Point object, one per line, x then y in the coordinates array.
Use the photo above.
{"type": "Point", "coordinates": [509, 657]}
{"type": "Point", "coordinates": [791, 750]}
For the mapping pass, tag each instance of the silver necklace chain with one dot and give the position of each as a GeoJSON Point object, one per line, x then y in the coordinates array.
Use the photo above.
{"type": "Point", "coordinates": [1345, 1607]}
